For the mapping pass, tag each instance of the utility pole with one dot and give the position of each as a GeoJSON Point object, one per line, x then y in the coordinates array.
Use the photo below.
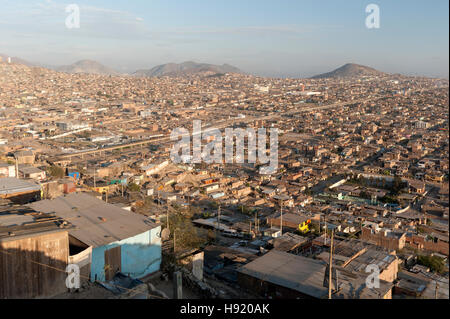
{"type": "Point", "coordinates": [281, 220]}
{"type": "Point", "coordinates": [167, 216]}
{"type": "Point", "coordinates": [320, 230]}
{"type": "Point", "coordinates": [330, 274]}
{"type": "Point", "coordinates": [174, 240]}
{"type": "Point", "coordinates": [17, 169]}
{"type": "Point", "coordinates": [218, 222]}
{"type": "Point", "coordinates": [257, 220]}
{"type": "Point", "coordinates": [436, 292]}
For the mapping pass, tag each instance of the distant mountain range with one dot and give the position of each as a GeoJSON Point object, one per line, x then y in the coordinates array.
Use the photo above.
{"type": "Point", "coordinates": [350, 70]}
{"type": "Point", "coordinates": [187, 68]}
{"type": "Point", "coordinates": [86, 66]}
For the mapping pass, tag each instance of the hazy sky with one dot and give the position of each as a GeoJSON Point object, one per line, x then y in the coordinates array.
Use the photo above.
{"type": "Point", "coordinates": [271, 38]}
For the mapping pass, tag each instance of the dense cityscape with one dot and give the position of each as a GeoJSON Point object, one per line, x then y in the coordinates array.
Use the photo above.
{"type": "Point", "coordinates": [364, 160]}
{"type": "Point", "coordinates": [197, 181]}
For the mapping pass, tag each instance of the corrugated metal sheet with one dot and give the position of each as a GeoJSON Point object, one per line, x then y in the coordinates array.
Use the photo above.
{"type": "Point", "coordinates": [96, 222]}
{"type": "Point", "coordinates": [11, 185]}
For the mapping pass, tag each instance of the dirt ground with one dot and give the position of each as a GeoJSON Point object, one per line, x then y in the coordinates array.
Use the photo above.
{"type": "Point", "coordinates": [95, 291]}
{"type": "Point", "coordinates": [88, 291]}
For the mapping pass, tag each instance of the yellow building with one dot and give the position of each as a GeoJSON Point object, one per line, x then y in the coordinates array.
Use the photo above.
{"type": "Point", "coordinates": [304, 227]}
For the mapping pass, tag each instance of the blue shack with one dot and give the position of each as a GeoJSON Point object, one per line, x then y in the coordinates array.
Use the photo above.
{"type": "Point", "coordinates": [106, 239]}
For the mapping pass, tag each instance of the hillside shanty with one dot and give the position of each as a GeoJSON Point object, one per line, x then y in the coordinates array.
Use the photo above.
{"type": "Point", "coordinates": [34, 252]}
{"type": "Point", "coordinates": [106, 239]}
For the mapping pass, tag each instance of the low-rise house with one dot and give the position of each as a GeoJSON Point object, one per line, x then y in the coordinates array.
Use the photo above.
{"type": "Point", "coordinates": [416, 187]}
{"type": "Point", "coordinates": [154, 168]}
{"type": "Point", "coordinates": [34, 252]}
{"type": "Point", "coordinates": [7, 170]}
{"type": "Point", "coordinates": [279, 274]}
{"type": "Point", "coordinates": [242, 191]}
{"type": "Point", "coordinates": [429, 242]}
{"type": "Point", "coordinates": [288, 242]}
{"type": "Point", "coordinates": [120, 241]}
{"type": "Point", "coordinates": [19, 191]}
{"type": "Point", "coordinates": [421, 285]}
{"type": "Point", "coordinates": [292, 221]}
{"type": "Point", "coordinates": [25, 157]}
{"type": "Point", "coordinates": [211, 188]}
{"type": "Point", "coordinates": [386, 238]}
{"type": "Point", "coordinates": [32, 173]}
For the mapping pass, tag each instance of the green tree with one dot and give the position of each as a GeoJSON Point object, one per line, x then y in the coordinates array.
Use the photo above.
{"type": "Point", "coordinates": [435, 263]}
{"type": "Point", "coordinates": [133, 187]}
{"type": "Point", "coordinates": [56, 171]}
{"type": "Point", "coordinates": [397, 186]}
{"type": "Point", "coordinates": [185, 234]}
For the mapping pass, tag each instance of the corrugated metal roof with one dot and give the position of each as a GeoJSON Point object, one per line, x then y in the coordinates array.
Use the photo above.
{"type": "Point", "coordinates": [287, 270]}
{"type": "Point", "coordinates": [306, 275]}
{"type": "Point", "coordinates": [17, 222]}
{"type": "Point", "coordinates": [96, 222]}
{"type": "Point", "coordinates": [11, 185]}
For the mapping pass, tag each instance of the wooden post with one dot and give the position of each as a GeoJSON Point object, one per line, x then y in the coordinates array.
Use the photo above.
{"type": "Point", "coordinates": [330, 275]}
{"type": "Point", "coordinates": [320, 230]}
{"type": "Point", "coordinates": [281, 220]}
{"type": "Point", "coordinates": [174, 240]}
{"type": "Point", "coordinates": [167, 216]}
{"type": "Point", "coordinates": [218, 220]}
{"type": "Point", "coordinates": [177, 285]}
{"type": "Point", "coordinates": [436, 292]}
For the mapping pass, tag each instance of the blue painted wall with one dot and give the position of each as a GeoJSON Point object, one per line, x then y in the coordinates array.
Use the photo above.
{"type": "Point", "coordinates": [141, 255]}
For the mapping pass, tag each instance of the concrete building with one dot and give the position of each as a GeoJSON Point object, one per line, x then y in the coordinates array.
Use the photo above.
{"type": "Point", "coordinates": [384, 238]}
